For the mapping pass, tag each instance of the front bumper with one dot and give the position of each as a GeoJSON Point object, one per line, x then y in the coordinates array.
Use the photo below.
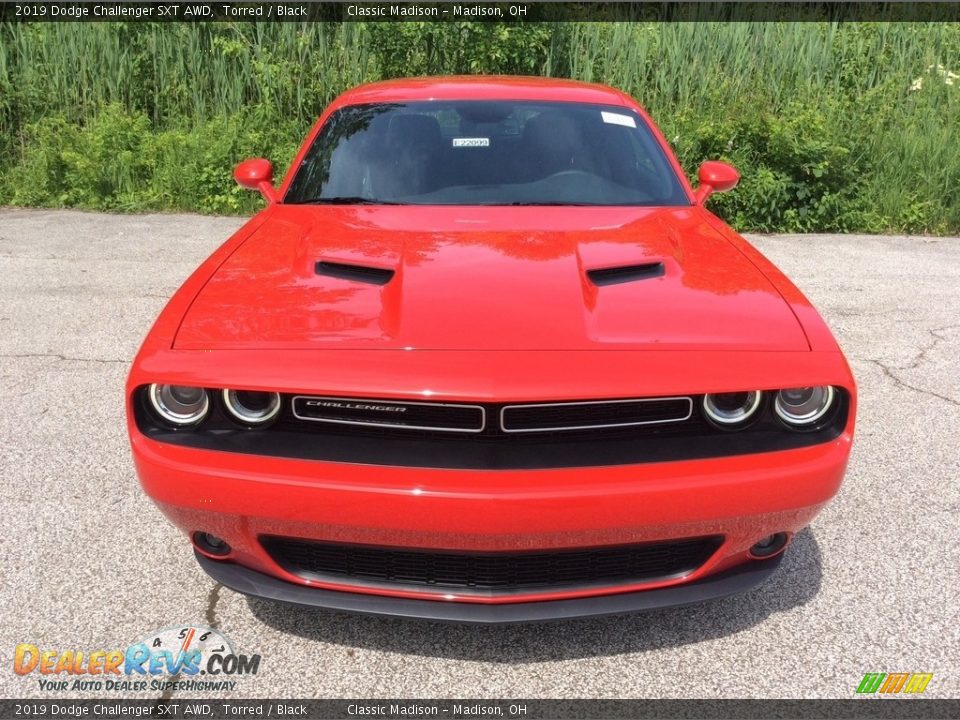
{"type": "Point", "coordinates": [250, 582]}
{"type": "Point", "coordinates": [242, 498]}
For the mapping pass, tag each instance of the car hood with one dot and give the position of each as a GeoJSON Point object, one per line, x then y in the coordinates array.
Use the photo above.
{"type": "Point", "coordinates": [484, 278]}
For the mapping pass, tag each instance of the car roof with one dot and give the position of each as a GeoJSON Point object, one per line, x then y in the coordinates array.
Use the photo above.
{"type": "Point", "coordinates": [483, 87]}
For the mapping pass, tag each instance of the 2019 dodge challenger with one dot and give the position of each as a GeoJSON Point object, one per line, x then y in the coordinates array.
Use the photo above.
{"type": "Point", "coordinates": [486, 356]}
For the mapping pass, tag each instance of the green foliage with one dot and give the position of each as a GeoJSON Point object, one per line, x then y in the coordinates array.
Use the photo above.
{"type": "Point", "coordinates": [803, 176]}
{"type": "Point", "coordinates": [430, 48]}
{"type": "Point", "coordinates": [117, 162]}
{"type": "Point", "coordinates": [834, 127]}
{"type": "Point", "coordinates": [97, 166]}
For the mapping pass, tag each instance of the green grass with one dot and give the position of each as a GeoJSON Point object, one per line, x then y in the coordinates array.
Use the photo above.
{"type": "Point", "coordinates": [820, 118]}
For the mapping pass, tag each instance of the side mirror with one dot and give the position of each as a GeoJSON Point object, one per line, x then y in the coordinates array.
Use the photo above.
{"type": "Point", "coordinates": [715, 177]}
{"type": "Point", "coordinates": [257, 174]}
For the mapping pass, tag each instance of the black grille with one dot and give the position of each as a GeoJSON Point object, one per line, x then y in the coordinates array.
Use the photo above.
{"type": "Point", "coordinates": [579, 416]}
{"type": "Point", "coordinates": [441, 417]}
{"type": "Point", "coordinates": [489, 573]}
{"type": "Point", "coordinates": [459, 417]}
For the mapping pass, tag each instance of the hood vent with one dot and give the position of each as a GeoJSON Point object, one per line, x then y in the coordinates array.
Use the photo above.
{"type": "Point", "coordinates": [357, 273]}
{"type": "Point", "coordinates": [626, 273]}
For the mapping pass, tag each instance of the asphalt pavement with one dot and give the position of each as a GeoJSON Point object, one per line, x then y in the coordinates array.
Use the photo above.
{"type": "Point", "coordinates": [87, 562]}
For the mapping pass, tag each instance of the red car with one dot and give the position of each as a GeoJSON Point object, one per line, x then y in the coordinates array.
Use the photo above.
{"type": "Point", "coordinates": [486, 356]}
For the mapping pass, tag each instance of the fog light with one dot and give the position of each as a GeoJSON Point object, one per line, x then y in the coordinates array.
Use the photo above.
{"type": "Point", "coordinates": [770, 545]}
{"type": "Point", "coordinates": [211, 544]}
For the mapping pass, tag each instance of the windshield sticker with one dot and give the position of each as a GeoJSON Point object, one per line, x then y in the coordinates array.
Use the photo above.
{"type": "Point", "coordinates": [471, 142]}
{"type": "Point", "coordinates": [618, 119]}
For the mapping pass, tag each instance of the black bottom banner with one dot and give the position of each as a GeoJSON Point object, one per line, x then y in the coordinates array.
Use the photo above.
{"type": "Point", "coordinates": [899, 709]}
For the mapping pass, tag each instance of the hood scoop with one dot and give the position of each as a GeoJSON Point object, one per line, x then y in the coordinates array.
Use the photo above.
{"type": "Point", "coordinates": [357, 273]}
{"type": "Point", "coordinates": [626, 273]}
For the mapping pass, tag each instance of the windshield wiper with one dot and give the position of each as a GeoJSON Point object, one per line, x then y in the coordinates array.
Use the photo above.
{"type": "Point", "coordinates": [343, 200]}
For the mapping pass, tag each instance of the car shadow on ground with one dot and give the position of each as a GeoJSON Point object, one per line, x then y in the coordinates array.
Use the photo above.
{"type": "Point", "coordinates": [796, 582]}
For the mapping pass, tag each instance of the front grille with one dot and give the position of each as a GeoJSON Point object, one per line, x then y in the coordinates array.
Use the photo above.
{"type": "Point", "coordinates": [489, 573]}
{"type": "Point", "coordinates": [463, 436]}
{"type": "Point", "coordinates": [459, 417]}
{"type": "Point", "coordinates": [595, 414]}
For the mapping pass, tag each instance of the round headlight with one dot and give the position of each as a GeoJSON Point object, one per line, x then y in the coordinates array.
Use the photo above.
{"type": "Point", "coordinates": [733, 408]}
{"type": "Point", "coordinates": [251, 407]}
{"type": "Point", "coordinates": [179, 404]}
{"type": "Point", "coordinates": [804, 406]}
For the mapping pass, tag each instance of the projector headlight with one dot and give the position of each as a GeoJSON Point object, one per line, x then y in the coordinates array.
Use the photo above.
{"type": "Point", "coordinates": [252, 407]}
{"type": "Point", "coordinates": [800, 407]}
{"type": "Point", "coordinates": [731, 409]}
{"type": "Point", "coordinates": [179, 405]}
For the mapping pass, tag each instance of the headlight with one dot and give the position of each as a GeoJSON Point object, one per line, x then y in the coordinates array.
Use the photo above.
{"type": "Point", "coordinates": [804, 406]}
{"type": "Point", "coordinates": [250, 407]}
{"type": "Point", "coordinates": [731, 409]}
{"type": "Point", "coordinates": [179, 404]}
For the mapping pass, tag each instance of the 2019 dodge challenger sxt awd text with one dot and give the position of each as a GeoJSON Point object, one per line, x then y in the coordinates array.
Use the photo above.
{"type": "Point", "coordinates": [485, 356]}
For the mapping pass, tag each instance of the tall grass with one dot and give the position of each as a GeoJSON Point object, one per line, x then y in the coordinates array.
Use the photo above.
{"type": "Point", "coordinates": [176, 71]}
{"type": "Point", "coordinates": [849, 86]}
{"type": "Point", "coordinates": [826, 121]}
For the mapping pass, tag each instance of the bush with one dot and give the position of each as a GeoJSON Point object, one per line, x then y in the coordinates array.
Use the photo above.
{"type": "Point", "coordinates": [116, 161]}
{"type": "Point", "coordinates": [99, 165]}
{"type": "Point", "coordinates": [833, 127]}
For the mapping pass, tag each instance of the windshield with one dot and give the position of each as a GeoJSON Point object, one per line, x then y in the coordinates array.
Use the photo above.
{"type": "Point", "coordinates": [486, 153]}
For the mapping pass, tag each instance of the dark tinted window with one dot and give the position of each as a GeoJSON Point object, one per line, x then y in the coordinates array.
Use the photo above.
{"type": "Point", "coordinates": [486, 153]}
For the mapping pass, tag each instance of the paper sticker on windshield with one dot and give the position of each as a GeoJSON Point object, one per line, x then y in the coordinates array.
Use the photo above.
{"type": "Point", "coordinates": [471, 142]}
{"type": "Point", "coordinates": [618, 119]}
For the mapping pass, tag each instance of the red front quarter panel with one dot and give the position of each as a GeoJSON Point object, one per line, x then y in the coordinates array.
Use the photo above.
{"type": "Point", "coordinates": [164, 330]}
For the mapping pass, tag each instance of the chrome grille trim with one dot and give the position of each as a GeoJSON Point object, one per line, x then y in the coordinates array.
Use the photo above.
{"type": "Point", "coordinates": [505, 408]}
{"type": "Point", "coordinates": [380, 401]}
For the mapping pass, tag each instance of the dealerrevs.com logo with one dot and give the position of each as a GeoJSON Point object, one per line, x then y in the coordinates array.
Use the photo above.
{"type": "Point", "coordinates": [183, 657]}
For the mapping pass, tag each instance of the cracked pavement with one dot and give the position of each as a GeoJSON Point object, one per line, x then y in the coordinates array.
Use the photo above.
{"type": "Point", "coordinates": [89, 563]}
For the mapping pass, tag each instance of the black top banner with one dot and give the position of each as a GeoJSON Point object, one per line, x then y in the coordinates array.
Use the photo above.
{"type": "Point", "coordinates": [160, 11]}
{"type": "Point", "coordinates": [178, 709]}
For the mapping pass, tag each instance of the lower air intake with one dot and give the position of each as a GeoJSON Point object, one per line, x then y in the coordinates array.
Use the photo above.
{"type": "Point", "coordinates": [489, 573]}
